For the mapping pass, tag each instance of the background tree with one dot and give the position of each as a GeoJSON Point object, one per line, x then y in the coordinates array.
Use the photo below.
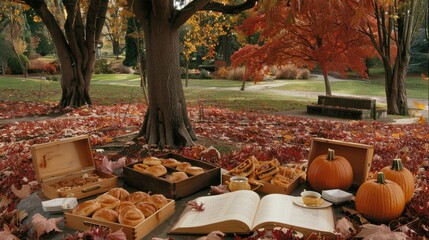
{"type": "Point", "coordinates": [419, 57]}
{"type": "Point", "coordinates": [166, 120]}
{"type": "Point", "coordinates": [75, 43]}
{"type": "Point", "coordinates": [116, 26]}
{"type": "Point", "coordinates": [39, 38]}
{"type": "Point", "coordinates": [320, 33]}
{"type": "Point", "coordinates": [134, 51]}
{"type": "Point", "coordinates": [203, 31]}
{"type": "Point", "coordinates": [6, 53]}
{"type": "Point", "coordinates": [396, 24]}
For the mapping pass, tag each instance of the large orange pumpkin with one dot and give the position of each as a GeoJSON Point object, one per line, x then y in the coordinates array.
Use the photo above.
{"type": "Point", "coordinates": [380, 200]}
{"type": "Point", "coordinates": [330, 172]}
{"type": "Point", "coordinates": [402, 176]}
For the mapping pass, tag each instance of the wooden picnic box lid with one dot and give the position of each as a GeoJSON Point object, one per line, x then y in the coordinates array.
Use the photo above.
{"type": "Point", "coordinates": [62, 157]}
{"type": "Point", "coordinates": [359, 155]}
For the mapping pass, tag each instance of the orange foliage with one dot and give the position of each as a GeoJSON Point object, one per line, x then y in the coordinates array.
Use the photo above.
{"type": "Point", "coordinates": [317, 32]}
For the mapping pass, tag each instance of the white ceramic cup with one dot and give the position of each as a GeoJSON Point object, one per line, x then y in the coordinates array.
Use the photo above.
{"type": "Point", "coordinates": [311, 198]}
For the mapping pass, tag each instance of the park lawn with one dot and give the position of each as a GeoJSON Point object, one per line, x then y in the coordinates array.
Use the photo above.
{"type": "Point", "coordinates": [107, 89]}
{"type": "Point", "coordinates": [245, 100]}
{"type": "Point", "coordinates": [416, 87]}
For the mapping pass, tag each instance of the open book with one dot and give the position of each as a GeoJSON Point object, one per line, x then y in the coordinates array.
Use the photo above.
{"type": "Point", "coordinates": [244, 211]}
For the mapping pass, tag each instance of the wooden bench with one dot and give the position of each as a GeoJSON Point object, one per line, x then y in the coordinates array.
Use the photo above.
{"type": "Point", "coordinates": [345, 107]}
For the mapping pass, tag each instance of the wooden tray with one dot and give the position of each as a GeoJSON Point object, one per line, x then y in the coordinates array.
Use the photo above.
{"type": "Point", "coordinates": [67, 159]}
{"type": "Point", "coordinates": [137, 232]}
{"type": "Point", "coordinates": [359, 155]}
{"type": "Point", "coordinates": [148, 183]}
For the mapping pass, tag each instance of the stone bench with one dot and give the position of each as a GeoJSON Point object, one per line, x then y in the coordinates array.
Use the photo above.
{"type": "Point", "coordinates": [345, 107]}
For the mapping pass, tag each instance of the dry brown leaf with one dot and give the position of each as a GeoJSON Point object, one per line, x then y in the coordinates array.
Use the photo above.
{"type": "Point", "coordinates": [345, 228]}
{"type": "Point", "coordinates": [23, 193]}
{"type": "Point", "coordinates": [43, 225]}
{"type": "Point", "coordinates": [210, 154]}
{"type": "Point", "coordinates": [21, 215]}
{"type": "Point", "coordinates": [118, 235]}
{"type": "Point", "coordinates": [215, 235]}
{"type": "Point", "coordinates": [109, 166]}
{"type": "Point", "coordinates": [4, 201]}
{"type": "Point", "coordinates": [33, 184]}
{"type": "Point", "coordinates": [6, 234]}
{"type": "Point", "coordinates": [379, 232]}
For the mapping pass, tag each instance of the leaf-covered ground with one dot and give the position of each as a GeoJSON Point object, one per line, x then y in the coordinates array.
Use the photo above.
{"type": "Point", "coordinates": [238, 135]}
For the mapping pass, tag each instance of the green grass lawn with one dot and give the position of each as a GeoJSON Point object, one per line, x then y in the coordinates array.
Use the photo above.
{"type": "Point", "coordinates": [416, 88]}
{"type": "Point", "coordinates": [116, 88]}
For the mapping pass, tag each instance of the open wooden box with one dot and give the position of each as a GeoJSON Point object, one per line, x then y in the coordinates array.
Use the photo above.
{"type": "Point", "coordinates": [359, 155]}
{"type": "Point", "coordinates": [148, 183]}
{"type": "Point", "coordinates": [268, 187]}
{"type": "Point", "coordinates": [132, 232]}
{"type": "Point", "coordinates": [66, 160]}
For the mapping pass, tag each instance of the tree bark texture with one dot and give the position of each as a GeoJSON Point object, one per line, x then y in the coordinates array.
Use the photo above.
{"type": "Point", "coordinates": [76, 46]}
{"type": "Point", "coordinates": [166, 121]}
{"type": "Point", "coordinates": [409, 15]}
{"type": "Point", "coordinates": [328, 91]}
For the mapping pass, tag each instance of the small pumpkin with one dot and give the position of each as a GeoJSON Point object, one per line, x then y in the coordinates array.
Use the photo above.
{"type": "Point", "coordinates": [329, 172]}
{"type": "Point", "coordinates": [380, 200]}
{"type": "Point", "coordinates": [402, 176]}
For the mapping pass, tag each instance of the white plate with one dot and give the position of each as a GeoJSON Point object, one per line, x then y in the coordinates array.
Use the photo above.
{"type": "Point", "coordinates": [298, 201]}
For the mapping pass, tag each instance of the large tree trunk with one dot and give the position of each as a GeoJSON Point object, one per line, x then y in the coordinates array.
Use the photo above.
{"type": "Point", "coordinates": [396, 95]}
{"type": "Point", "coordinates": [76, 49]}
{"type": "Point", "coordinates": [166, 121]}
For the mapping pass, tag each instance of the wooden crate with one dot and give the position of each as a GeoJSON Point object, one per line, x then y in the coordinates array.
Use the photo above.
{"type": "Point", "coordinates": [67, 159]}
{"type": "Point", "coordinates": [268, 187]}
{"type": "Point", "coordinates": [359, 155]}
{"type": "Point", "coordinates": [148, 183]}
{"type": "Point", "coordinates": [132, 232]}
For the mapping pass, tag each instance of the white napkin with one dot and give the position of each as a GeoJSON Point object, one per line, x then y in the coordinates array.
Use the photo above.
{"type": "Point", "coordinates": [59, 204]}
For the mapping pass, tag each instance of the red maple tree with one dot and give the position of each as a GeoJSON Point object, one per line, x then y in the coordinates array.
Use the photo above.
{"type": "Point", "coordinates": [316, 32]}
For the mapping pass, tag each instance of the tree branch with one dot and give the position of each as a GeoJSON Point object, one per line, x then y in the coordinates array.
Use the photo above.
{"type": "Point", "coordinates": [180, 17]}
{"type": "Point", "coordinates": [143, 8]}
{"type": "Point", "coordinates": [230, 9]}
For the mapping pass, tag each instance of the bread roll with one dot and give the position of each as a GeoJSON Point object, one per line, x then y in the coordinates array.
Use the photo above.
{"type": "Point", "coordinates": [130, 216]}
{"type": "Point", "coordinates": [182, 166]}
{"type": "Point", "coordinates": [194, 170]}
{"type": "Point", "coordinates": [86, 208]}
{"type": "Point", "coordinates": [177, 176]}
{"type": "Point", "coordinates": [140, 167]}
{"type": "Point", "coordinates": [119, 193]}
{"type": "Point", "coordinates": [156, 170]}
{"type": "Point", "coordinates": [147, 208]}
{"type": "Point", "coordinates": [123, 205]}
{"type": "Point", "coordinates": [152, 161]}
{"type": "Point", "coordinates": [106, 214]}
{"type": "Point", "coordinates": [108, 201]}
{"type": "Point", "coordinates": [170, 162]}
{"type": "Point", "coordinates": [138, 196]}
{"type": "Point", "coordinates": [158, 200]}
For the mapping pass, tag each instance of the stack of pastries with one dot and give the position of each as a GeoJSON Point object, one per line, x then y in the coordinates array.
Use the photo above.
{"type": "Point", "coordinates": [119, 206]}
{"type": "Point", "coordinates": [68, 184]}
{"type": "Point", "coordinates": [157, 167]}
{"type": "Point", "coordinates": [267, 171]}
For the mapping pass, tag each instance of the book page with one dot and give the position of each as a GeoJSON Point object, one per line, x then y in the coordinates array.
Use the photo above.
{"type": "Point", "coordinates": [278, 209]}
{"type": "Point", "coordinates": [239, 206]}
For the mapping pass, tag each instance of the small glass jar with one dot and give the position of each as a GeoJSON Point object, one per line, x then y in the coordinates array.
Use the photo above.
{"type": "Point", "coordinates": [238, 183]}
